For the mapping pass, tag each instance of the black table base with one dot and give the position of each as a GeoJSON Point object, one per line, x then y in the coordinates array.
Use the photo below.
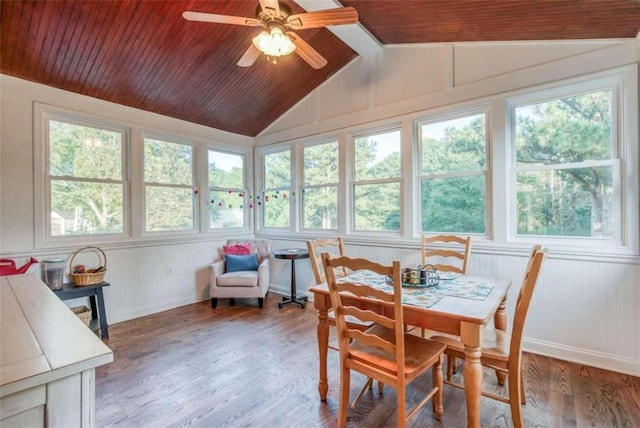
{"type": "Point", "coordinates": [294, 299]}
{"type": "Point", "coordinates": [292, 254]}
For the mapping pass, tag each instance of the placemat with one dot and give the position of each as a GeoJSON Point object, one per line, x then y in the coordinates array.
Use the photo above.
{"type": "Point", "coordinates": [457, 286]}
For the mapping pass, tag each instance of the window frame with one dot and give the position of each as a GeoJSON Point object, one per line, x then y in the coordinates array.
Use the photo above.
{"type": "Point", "coordinates": [477, 109]}
{"type": "Point", "coordinates": [44, 114]}
{"type": "Point", "coordinates": [195, 218]}
{"type": "Point", "coordinates": [302, 186]}
{"type": "Point", "coordinates": [262, 189]}
{"type": "Point", "coordinates": [622, 155]}
{"type": "Point", "coordinates": [248, 199]}
{"type": "Point", "coordinates": [351, 182]}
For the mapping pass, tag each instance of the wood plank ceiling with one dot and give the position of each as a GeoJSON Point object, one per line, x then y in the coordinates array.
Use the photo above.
{"type": "Point", "coordinates": [424, 21]}
{"type": "Point", "coordinates": [143, 54]}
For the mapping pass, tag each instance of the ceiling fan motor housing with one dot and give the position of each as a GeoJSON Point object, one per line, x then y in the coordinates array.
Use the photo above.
{"type": "Point", "coordinates": [266, 17]}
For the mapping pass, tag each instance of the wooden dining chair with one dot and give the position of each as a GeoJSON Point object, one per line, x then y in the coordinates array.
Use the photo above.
{"type": "Point", "coordinates": [335, 246]}
{"type": "Point", "coordinates": [447, 253]}
{"type": "Point", "coordinates": [384, 352]}
{"type": "Point", "coordinates": [437, 250]}
{"type": "Point", "coordinates": [500, 375]}
{"type": "Point", "coordinates": [315, 247]}
{"type": "Point", "coordinates": [503, 351]}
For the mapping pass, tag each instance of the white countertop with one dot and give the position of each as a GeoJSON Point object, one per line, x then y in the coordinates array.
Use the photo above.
{"type": "Point", "coordinates": [41, 340]}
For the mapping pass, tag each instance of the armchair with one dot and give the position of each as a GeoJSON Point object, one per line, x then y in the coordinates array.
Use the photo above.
{"type": "Point", "coordinates": [243, 284]}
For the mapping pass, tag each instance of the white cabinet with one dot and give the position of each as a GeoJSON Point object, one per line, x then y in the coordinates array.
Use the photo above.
{"type": "Point", "coordinates": [47, 359]}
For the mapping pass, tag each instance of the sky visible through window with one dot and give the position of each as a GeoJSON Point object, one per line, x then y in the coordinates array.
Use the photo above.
{"type": "Point", "coordinates": [388, 143]}
{"type": "Point", "coordinates": [225, 161]}
{"type": "Point", "coordinates": [436, 130]}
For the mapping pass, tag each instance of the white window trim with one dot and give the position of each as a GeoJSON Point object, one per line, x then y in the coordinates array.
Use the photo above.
{"type": "Point", "coordinates": [249, 199]}
{"type": "Point", "coordinates": [623, 83]}
{"type": "Point", "coordinates": [261, 190]}
{"type": "Point", "coordinates": [134, 186]}
{"type": "Point", "coordinates": [194, 180]}
{"type": "Point", "coordinates": [351, 182]}
{"type": "Point", "coordinates": [42, 196]}
{"type": "Point", "coordinates": [475, 110]}
{"type": "Point", "coordinates": [302, 187]}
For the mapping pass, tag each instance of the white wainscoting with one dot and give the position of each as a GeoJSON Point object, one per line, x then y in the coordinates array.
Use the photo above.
{"type": "Point", "coordinates": [147, 280]}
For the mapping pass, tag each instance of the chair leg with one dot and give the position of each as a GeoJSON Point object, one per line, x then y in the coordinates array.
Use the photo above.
{"type": "Point", "coordinates": [367, 386]}
{"type": "Point", "coordinates": [522, 399]}
{"type": "Point", "coordinates": [232, 302]}
{"type": "Point", "coordinates": [343, 408]}
{"type": "Point", "coordinates": [451, 362]}
{"type": "Point", "coordinates": [260, 302]}
{"type": "Point", "coordinates": [214, 302]}
{"type": "Point", "coordinates": [514, 382]}
{"type": "Point", "coordinates": [380, 388]}
{"type": "Point", "coordinates": [402, 406]}
{"type": "Point", "coordinates": [501, 376]}
{"type": "Point", "coordinates": [438, 406]}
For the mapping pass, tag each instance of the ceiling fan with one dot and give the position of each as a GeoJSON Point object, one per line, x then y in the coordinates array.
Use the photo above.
{"type": "Point", "coordinates": [277, 38]}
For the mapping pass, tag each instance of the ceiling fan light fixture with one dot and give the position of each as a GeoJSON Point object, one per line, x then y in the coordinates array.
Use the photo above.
{"type": "Point", "coordinates": [274, 43]}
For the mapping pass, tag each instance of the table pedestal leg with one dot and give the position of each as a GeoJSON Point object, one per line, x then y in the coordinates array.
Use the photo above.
{"type": "Point", "coordinates": [293, 299]}
{"type": "Point", "coordinates": [471, 335]}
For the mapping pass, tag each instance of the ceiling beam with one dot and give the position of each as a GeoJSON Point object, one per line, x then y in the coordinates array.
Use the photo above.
{"type": "Point", "coordinates": [354, 35]}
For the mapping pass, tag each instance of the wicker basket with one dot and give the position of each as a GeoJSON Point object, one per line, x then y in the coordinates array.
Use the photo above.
{"type": "Point", "coordinates": [83, 313]}
{"type": "Point", "coordinates": [88, 278]}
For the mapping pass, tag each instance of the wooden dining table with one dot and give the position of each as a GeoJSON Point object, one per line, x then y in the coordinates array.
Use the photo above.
{"type": "Point", "coordinates": [461, 316]}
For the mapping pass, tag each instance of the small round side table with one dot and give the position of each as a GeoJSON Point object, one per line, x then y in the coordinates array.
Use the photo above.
{"type": "Point", "coordinates": [292, 254]}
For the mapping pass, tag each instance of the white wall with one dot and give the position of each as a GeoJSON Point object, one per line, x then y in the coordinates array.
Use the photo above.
{"type": "Point", "coordinates": [584, 309]}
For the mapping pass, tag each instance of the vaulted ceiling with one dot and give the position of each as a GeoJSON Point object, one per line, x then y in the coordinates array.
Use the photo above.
{"type": "Point", "coordinates": [143, 54]}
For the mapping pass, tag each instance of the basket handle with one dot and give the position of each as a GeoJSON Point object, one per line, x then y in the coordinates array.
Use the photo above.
{"type": "Point", "coordinates": [104, 257]}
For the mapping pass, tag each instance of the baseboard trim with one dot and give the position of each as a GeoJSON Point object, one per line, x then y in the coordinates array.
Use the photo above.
{"type": "Point", "coordinates": [582, 356]}
{"type": "Point", "coordinates": [150, 310]}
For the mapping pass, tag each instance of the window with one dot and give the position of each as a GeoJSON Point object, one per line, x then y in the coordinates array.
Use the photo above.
{"type": "Point", "coordinates": [320, 186]}
{"type": "Point", "coordinates": [227, 190]}
{"type": "Point", "coordinates": [85, 186]}
{"type": "Point", "coordinates": [276, 195]}
{"type": "Point", "coordinates": [453, 175]}
{"type": "Point", "coordinates": [566, 168]}
{"type": "Point", "coordinates": [376, 181]}
{"type": "Point", "coordinates": [168, 186]}
{"type": "Point", "coordinates": [557, 164]}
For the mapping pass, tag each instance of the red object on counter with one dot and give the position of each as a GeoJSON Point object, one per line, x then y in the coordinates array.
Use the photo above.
{"type": "Point", "coordinates": [8, 267]}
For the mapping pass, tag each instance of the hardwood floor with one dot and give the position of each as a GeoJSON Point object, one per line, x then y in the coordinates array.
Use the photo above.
{"type": "Point", "coordinates": [244, 367]}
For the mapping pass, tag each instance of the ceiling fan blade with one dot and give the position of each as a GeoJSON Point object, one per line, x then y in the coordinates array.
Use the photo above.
{"type": "Point", "coordinates": [220, 19]}
{"type": "Point", "coordinates": [270, 7]}
{"type": "Point", "coordinates": [306, 52]}
{"type": "Point", "coordinates": [322, 18]}
{"type": "Point", "coordinates": [249, 57]}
